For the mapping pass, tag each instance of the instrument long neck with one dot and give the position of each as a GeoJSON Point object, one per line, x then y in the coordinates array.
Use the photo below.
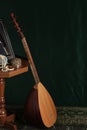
{"type": "Point", "coordinates": [30, 60]}
{"type": "Point", "coordinates": [27, 50]}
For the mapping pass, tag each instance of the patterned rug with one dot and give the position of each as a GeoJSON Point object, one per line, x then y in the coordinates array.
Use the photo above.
{"type": "Point", "coordinates": [69, 118]}
{"type": "Point", "coordinates": [72, 116]}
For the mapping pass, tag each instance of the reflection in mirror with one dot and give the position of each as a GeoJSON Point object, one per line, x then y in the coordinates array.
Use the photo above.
{"type": "Point", "coordinates": [5, 43]}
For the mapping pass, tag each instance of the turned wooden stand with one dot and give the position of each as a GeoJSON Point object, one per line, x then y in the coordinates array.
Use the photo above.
{"type": "Point", "coordinates": [5, 119]}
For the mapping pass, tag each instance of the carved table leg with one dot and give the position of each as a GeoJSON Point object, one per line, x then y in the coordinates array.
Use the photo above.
{"type": "Point", "coordinates": [5, 120]}
{"type": "Point", "coordinates": [3, 113]}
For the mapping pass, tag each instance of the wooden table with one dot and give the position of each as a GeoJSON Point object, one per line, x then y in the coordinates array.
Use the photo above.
{"type": "Point", "coordinates": [5, 119]}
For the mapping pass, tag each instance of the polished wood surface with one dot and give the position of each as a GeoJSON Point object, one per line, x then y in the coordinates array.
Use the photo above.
{"type": "Point", "coordinates": [15, 72]}
{"type": "Point", "coordinates": [5, 119]}
{"type": "Point", "coordinates": [40, 109]}
{"type": "Point", "coordinates": [47, 107]}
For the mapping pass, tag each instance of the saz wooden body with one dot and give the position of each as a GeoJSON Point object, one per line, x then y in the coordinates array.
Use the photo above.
{"type": "Point", "coordinates": [39, 108]}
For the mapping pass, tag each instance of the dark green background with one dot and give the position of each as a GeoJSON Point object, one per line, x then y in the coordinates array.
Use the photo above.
{"type": "Point", "coordinates": [57, 35]}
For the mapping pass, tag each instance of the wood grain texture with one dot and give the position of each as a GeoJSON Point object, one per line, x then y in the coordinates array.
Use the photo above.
{"type": "Point", "coordinates": [40, 109]}
{"type": "Point", "coordinates": [47, 107]}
